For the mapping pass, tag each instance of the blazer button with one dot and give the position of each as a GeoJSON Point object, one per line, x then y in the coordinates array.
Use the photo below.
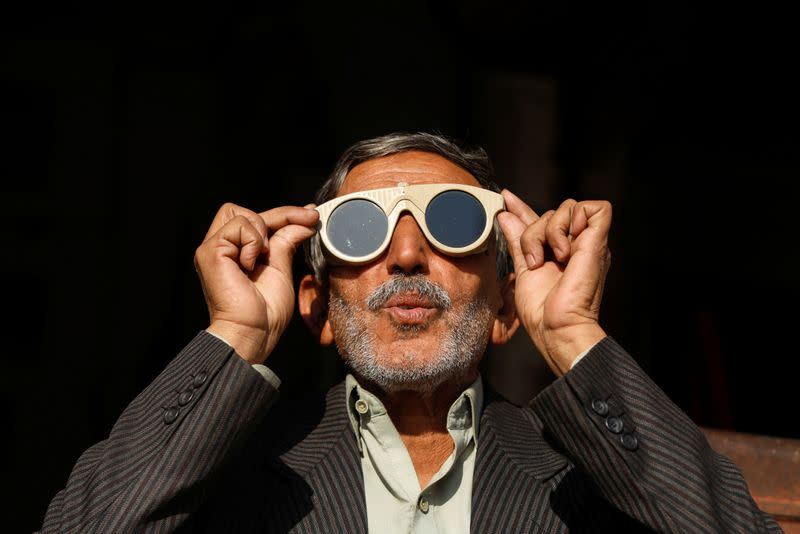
{"type": "Point", "coordinates": [200, 379]}
{"type": "Point", "coordinates": [614, 424]}
{"type": "Point", "coordinates": [186, 397]}
{"type": "Point", "coordinates": [171, 414]}
{"type": "Point", "coordinates": [600, 407]}
{"type": "Point", "coordinates": [629, 441]}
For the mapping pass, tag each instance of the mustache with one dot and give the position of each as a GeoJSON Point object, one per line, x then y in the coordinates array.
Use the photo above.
{"type": "Point", "coordinates": [416, 284]}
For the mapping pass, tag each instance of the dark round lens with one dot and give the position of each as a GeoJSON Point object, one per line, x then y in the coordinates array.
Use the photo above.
{"type": "Point", "coordinates": [455, 218]}
{"type": "Point", "coordinates": [357, 227]}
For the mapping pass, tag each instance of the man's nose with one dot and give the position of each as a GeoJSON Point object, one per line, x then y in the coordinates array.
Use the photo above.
{"type": "Point", "coordinates": [408, 251]}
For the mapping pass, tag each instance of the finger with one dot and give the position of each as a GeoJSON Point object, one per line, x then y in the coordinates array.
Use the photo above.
{"type": "Point", "coordinates": [595, 213]}
{"type": "Point", "coordinates": [230, 210]}
{"type": "Point", "coordinates": [277, 218]}
{"type": "Point", "coordinates": [518, 207]}
{"type": "Point", "coordinates": [239, 240]}
{"type": "Point", "coordinates": [590, 257]}
{"type": "Point", "coordinates": [557, 231]}
{"type": "Point", "coordinates": [283, 245]}
{"type": "Point", "coordinates": [591, 222]}
{"type": "Point", "coordinates": [534, 239]}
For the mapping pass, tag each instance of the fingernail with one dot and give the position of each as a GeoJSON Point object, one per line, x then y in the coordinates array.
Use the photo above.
{"type": "Point", "coordinates": [310, 206]}
{"type": "Point", "coordinates": [530, 260]}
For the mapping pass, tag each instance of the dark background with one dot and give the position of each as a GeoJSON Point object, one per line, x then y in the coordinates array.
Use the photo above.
{"type": "Point", "coordinates": [124, 128]}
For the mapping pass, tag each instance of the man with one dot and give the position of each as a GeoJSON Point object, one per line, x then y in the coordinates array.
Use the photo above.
{"type": "Point", "coordinates": [411, 282]}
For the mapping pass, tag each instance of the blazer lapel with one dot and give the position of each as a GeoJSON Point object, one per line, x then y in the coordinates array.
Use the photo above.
{"type": "Point", "coordinates": [329, 463]}
{"type": "Point", "coordinates": [512, 467]}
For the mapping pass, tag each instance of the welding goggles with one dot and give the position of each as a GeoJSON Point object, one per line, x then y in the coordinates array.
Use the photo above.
{"type": "Point", "coordinates": [456, 219]}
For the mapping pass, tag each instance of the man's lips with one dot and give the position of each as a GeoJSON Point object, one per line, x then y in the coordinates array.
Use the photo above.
{"type": "Point", "coordinates": [410, 309]}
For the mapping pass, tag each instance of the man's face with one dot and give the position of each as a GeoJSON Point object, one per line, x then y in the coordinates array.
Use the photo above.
{"type": "Point", "coordinates": [415, 317]}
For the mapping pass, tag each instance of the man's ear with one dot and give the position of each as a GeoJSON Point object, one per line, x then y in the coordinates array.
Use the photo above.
{"type": "Point", "coordinates": [312, 301]}
{"type": "Point", "coordinates": [506, 322]}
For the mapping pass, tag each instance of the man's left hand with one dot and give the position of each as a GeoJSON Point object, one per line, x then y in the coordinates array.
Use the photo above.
{"type": "Point", "coordinates": [560, 265]}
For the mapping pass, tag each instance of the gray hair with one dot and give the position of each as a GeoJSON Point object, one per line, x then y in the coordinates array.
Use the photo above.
{"type": "Point", "coordinates": [473, 159]}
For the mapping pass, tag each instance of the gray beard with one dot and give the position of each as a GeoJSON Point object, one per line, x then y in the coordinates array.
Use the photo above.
{"type": "Point", "coordinates": [465, 342]}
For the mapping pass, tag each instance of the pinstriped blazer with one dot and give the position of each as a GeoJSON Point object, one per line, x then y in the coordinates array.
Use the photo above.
{"type": "Point", "coordinates": [602, 449]}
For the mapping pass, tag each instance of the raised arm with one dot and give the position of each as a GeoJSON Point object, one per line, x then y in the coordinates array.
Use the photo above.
{"type": "Point", "coordinates": [643, 455]}
{"type": "Point", "coordinates": [159, 461]}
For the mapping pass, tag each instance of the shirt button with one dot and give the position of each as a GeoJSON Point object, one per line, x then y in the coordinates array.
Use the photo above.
{"type": "Point", "coordinates": [600, 407]}
{"type": "Point", "coordinates": [170, 414]}
{"type": "Point", "coordinates": [614, 424]}
{"type": "Point", "coordinates": [629, 441]}
{"type": "Point", "coordinates": [361, 406]}
{"type": "Point", "coordinates": [423, 505]}
{"type": "Point", "coordinates": [199, 379]}
{"type": "Point", "coordinates": [186, 397]}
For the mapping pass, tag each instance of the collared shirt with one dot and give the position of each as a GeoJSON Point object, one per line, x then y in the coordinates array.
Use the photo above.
{"type": "Point", "coordinates": [395, 500]}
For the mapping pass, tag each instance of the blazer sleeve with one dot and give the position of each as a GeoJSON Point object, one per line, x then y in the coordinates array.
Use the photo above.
{"type": "Point", "coordinates": [154, 469]}
{"type": "Point", "coordinates": [642, 453]}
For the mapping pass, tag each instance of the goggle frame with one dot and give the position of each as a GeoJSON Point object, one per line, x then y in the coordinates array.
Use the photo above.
{"type": "Point", "coordinates": [414, 199]}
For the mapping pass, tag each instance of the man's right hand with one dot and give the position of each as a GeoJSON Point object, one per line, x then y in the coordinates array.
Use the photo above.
{"type": "Point", "coordinates": [245, 267]}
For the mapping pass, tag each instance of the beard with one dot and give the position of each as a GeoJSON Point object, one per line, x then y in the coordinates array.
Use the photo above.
{"type": "Point", "coordinates": [467, 334]}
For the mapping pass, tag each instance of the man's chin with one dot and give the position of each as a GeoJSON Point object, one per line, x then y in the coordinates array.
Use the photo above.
{"type": "Point", "coordinates": [420, 378]}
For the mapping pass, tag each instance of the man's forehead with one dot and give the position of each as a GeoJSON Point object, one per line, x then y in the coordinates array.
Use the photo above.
{"type": "Point", "coordinates": [409, 167]}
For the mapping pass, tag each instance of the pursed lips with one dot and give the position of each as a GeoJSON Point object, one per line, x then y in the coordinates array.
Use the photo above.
{"type": "Point", "coordinates": [410, 309]}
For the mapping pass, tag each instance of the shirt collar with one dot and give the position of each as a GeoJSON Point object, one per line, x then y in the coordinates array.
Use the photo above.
{"type": "Point", "coordinates": [463, 413]}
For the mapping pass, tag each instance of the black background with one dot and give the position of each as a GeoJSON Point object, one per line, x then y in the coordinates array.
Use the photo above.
{"type": "Point", "coordinates": [125, 127]}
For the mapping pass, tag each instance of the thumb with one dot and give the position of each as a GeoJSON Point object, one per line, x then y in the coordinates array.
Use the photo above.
{"type": "Point", "coordinates": [512, 228]}
{"type": "Point", "coordinates": [283, 245]}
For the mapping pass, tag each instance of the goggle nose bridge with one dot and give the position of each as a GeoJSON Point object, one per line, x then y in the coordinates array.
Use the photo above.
{"type": "Point", "coordinates": [402, 205]}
